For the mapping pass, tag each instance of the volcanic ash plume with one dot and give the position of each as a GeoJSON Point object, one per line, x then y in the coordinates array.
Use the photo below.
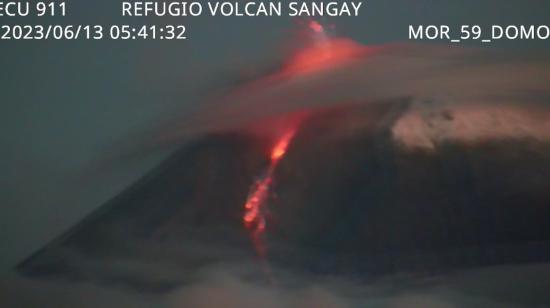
{"type": "Point", "coordinates": [334, 71]}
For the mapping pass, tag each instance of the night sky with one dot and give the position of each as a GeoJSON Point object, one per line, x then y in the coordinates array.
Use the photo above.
{"type": "Point", "coordinates": [69, 109]}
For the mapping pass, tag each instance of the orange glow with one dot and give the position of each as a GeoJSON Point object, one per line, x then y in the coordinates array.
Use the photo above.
{"type": "Point", "coordinates": [279, 150]}
{"type": "Point", "coordinates": [316, 27]}
{"type": "Point", "coordinates": [324, 55]}
{"type": "Point", "coordinates": [254, 217]}
{"type": "Point", "coordinates": [255, 201]}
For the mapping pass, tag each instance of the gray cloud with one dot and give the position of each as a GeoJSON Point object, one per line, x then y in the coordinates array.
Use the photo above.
{"type": "Point", "coordinates": [231, 286]}
{"type": "Point", "coordinates": [446, 77]}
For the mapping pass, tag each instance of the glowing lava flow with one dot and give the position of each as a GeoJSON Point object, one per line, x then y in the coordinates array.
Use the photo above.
{"type": "Point", "coordinates": [323, 53]}
{"type": "Point", "coordinates": [255, 207]}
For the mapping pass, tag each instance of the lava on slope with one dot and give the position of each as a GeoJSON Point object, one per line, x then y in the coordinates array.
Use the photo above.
{"type": "Point", "coordinates": [323, 53]}
{"type": "Point", "coordinates": [254, 217]}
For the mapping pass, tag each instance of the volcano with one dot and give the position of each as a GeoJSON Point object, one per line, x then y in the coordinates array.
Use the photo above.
{"type": "Point", "coordinates": [350, 162]}
{"type": "Point", "coordinates": [352, 196]}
